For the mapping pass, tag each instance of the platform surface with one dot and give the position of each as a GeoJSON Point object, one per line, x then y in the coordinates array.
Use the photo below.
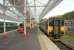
{"type": "Point", "coordinates": [35, 40]}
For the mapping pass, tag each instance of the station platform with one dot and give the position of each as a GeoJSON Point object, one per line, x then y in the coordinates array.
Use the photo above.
{"type": "Point", "coordinates": [35, 40]}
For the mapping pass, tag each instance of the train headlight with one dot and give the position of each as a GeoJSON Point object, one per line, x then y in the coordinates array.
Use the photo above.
{"type": "Point", "coordinates": [62, 29]}
{"type": "Point", "coordinates": [50, 29]}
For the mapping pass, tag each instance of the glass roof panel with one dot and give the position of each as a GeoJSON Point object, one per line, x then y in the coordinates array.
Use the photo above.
{"type": "Point", "coordinates": [39, 10]}
{"type": "Point", "coordinates": [41, 2]}
{"type": "Point", "coordinates": [36, 7]}
{"type": "Point", "coordinates": [32, 11]}
{"type": "Point", "coordinates": [36, 14]}
{"type": "Point", "coordinates": [1, 1]}
{"type": "Point", "coordinates": [31, 2]}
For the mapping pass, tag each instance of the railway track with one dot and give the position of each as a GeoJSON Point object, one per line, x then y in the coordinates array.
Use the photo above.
{"type": "Point", "coordinates": [62, 46]}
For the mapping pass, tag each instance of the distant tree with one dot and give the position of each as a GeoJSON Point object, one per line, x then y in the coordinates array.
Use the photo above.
{"type": "Point", "coordinates": [69, 16]}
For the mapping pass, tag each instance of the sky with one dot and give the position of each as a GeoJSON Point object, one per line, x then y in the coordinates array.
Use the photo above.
{"type": "Point", "coordinates": [1, 1]}
{"type": "Point", "coordinates": [64, 7]}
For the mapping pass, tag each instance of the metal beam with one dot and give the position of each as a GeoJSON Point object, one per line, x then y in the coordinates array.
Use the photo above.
{"type": "Point", "coordinates": [35, 8]}
{"type": "Point", "coordinates": [28, 6]}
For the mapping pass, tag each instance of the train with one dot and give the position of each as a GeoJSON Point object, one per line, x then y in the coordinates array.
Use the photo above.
{"type": "Point", "coordinates": [9, 26]}
{"type": "Point", "coordinates": [53, 28]}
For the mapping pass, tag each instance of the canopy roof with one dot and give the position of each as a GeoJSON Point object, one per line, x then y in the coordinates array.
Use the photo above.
{"type": "Point", "coordinates": [35, 8]}
{"type": "Point", "coordinates": [39, 8]}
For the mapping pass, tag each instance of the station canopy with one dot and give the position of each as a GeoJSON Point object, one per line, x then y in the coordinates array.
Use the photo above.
{"type": "Point", "coordinates": [15, 9]}
{"type": "Point", "coordinates": [10, 12]}
{"type": "Point", "coordinates": [39, 8]}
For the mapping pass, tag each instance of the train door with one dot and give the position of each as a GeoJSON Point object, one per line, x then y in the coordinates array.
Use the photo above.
{"type": "Point", "coordinates": [56, 26]}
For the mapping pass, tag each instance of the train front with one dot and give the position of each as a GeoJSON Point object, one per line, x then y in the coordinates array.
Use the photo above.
{"type": "Point", "coordinates": [55, 28]}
